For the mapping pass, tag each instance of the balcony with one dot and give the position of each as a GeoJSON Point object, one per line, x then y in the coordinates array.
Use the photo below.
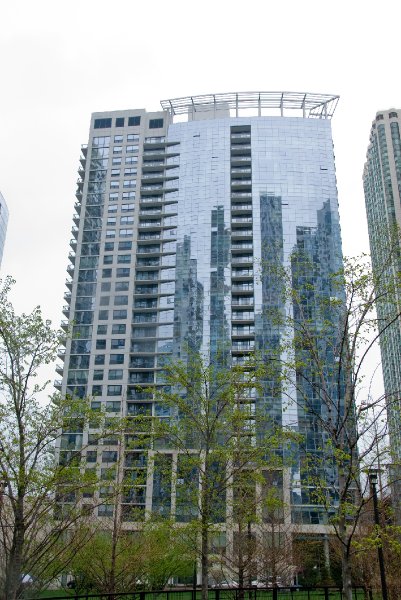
{"type": "Point", "coordinates": [243, 233]}
{"type": "Point", "coordinates": [242, 301]}
{"type": "Point", "coordinates": [241, 183]}
{"type": "Point", "coordinates": [241, 136]}
{"type": "Point", "coordinates": [240, 260]}
{"type": "Point", "coordinates": [61, 353]}
{"type": "Point", "coordinates": [241, 246]}
{"type": "Point", "coordinates": [74, 231]}
{"type": "Point", "coordinates": [67, 296]}
{"type": "Point", "coordinates": [73, 244]}
{"type": "Point", "coordinates": [58, 383]}
{"type": "Point", "coordinates": [68, 283]}
{"type": "Point", "coordinates": [241, 171]}
{"type": "Point", "coordinates": [235, 220]}
{"type": "Point", "coordinates": [75, 218]}
{"type": "Point", "coordinates": [78, 195]}
{"type": "Point", "coordinates": [72, 257]}
{"type": "Point", "coordinates": [70, 270]}
{"type": "Point", "coordinates": [60, 369]}
{"type": "Point", "coordinates": [243, 315]}
{"type": "Point", "coordinates": [241, 207]}
{"type": "Point", "coordinates": [240, 160]}
{"type": "Point", "coordinates": [64, 325]}
{"type": "Point", "coordinates": [242, 287]}
{"type": "Point", "coordinates": [84, 149]}
{"type": "Point", "coordinates": [241, 195]}
{"type": "Point", "coordinates": [243, 345]}
{"type": "Point", "coordinates": [66, 310]}
{"type": "Point", "coordinates": [78, 207]}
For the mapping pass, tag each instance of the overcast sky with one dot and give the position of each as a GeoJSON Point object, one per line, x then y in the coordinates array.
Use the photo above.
{"type": "Point", "coordinates": [61, 61]}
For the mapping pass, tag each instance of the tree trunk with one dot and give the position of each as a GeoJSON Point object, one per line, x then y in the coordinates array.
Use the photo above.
{"type": "Point", "coordinates": [14, 567]}
{"type": "Point", "coordinates": [205, 559]}
{"type": "Point", "coordinates": [240, 562]}
{"type": "Point", "coordinates": [345, 562]}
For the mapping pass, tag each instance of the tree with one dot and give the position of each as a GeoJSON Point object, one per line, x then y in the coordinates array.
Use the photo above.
{"type": "Point", "coordinates": [124, 560]}
{"type": "Point", "coordinates": [32, 522]}
{"type": "Point", "coordinates": [329, 327]}
{"type": "Point", "coordinates": [212, 438]}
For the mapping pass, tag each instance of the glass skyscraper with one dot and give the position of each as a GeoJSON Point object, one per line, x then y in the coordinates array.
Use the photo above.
{"type": "Point", "coordinates": [176, 210]}
{"type": "Point", "coordinates": [382, 187]}
{"type": "Point", "coordinates": [3, 225]}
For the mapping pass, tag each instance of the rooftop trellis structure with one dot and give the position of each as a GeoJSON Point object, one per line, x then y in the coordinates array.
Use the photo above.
{"type": "Point", "coordinates": [308, 105]}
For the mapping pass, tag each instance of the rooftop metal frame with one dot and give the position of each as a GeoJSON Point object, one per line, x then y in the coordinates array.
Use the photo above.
{"type": "Point", "coordinates": [317, 106]}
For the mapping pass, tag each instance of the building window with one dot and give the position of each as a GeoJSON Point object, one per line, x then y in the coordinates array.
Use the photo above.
{"type": "Point", "coordinates": [106, 272]}
{"type": "Point", "coordinates": [134, 121]}
{"type": "Point", "coordinates": [116, 359]}
{"type": "Point", "coordinates": [124, 258]}
{"type": "Point", "coordinates": [119, 314]}
{"type": "Point", "coordinates": [102, 330]}
{"type": "Point", "coordinates": [113, 197]}
{"type": "Point", "coordinates": [105, 510]}
{"type": "Point", "coordinates": [118, 343]}
{"type": "Point", "coordinates": [132, 137]}
{"type": "Point", "coordinates": [102, 123]}
{"type": "Point", "coordinates": [129, 183]}
{"type": "Point", "coordinates": [118, 328]}
{"type": "Point", "coordinates": [98, 375]}
{"type": "Point", "coordinates": [130, 171]}
{"type": "Point", "coordinates": [131, 149]}
{"type": "Point", "coordinates": [117, 149]}
{"type": "Point", "coordinates": [128, 206]}
{"type": "Point", "coordinates": [114, 390]}
{"type": "Point", "coordinates": [115, 172]}
{"type": "Point", "coordinates": [108, 259]}
{"type": "Point", "coordinates": [109, 234]}
{"type": "Point", "coordinates": [155, 123]}
{"type": "Point", "coordinates": [105, 286]}
{"type": "Point", "coordinates": [131, 160]}
{"type": "Point", "coordinates": [115, 374]}
{"type": "Point", "coordinates": [112, 208]}
{"type": "Point", "coordinates": [126, 232]}
{"type": "Point", "coordinates": [129, 195]}
{"type": "Point", "coordinates": [379, 117]}
{"type": "Point", "coordinates": [96, 390]}
{"type": "Point", "coordinates": [122, 286]}
{"type": "Point", "coordinates": [114, 185]}
{"type": "Point", "coordinates": [103, 315]}
{"type": "Point", "coordinates": [116, 161]}
{"type": "Point", "coordinates": [113, 406]}
{"type": "Point", "coordinates": [109, 247]}
{"type": "Point", "coordinates": [100, 344]}
{"type": "Point", "coordinates": [122, 272]}
{"type": "Point", "coordinates": [126, 220]}
{"type": "Point", "coordinates": [393, 115]}
{"type": "Point", "coordinates": [120, 122]}
{"type": "Point", "coordinates": [125, 245]}
{"type": "Point", "coordinates": [99, 359]}
{"type": "Point", "coordinates": [120, 300]}
{"type": "Point", "coordinates": [91, 456]}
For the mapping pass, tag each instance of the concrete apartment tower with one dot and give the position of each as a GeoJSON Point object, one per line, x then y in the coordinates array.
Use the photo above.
{"type": "Point", "coordinates": [175, 211]}
{"type": "Point", "coordinates": [382, 187]}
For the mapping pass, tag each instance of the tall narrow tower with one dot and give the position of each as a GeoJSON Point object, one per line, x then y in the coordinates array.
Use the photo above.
{"type": "Point", "coordinates": [382, 186]}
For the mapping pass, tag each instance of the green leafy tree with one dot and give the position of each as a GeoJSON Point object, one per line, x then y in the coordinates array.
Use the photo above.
{"type": "Point", "coordinates": [32, 484]}
{"type": "Point", "coordinates": [217, 438]}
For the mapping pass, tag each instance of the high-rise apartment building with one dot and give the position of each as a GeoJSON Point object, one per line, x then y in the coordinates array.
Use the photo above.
{"type": "Point", "coordinates": [176, 210]}
{"type": "Point", "coordinates": [3, 224]}
{"type": "Point", "coordinates": [382, 187]}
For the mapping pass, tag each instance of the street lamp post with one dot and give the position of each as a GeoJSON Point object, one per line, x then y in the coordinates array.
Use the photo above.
{"type": "Point", "coordinates": [373, 475]}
